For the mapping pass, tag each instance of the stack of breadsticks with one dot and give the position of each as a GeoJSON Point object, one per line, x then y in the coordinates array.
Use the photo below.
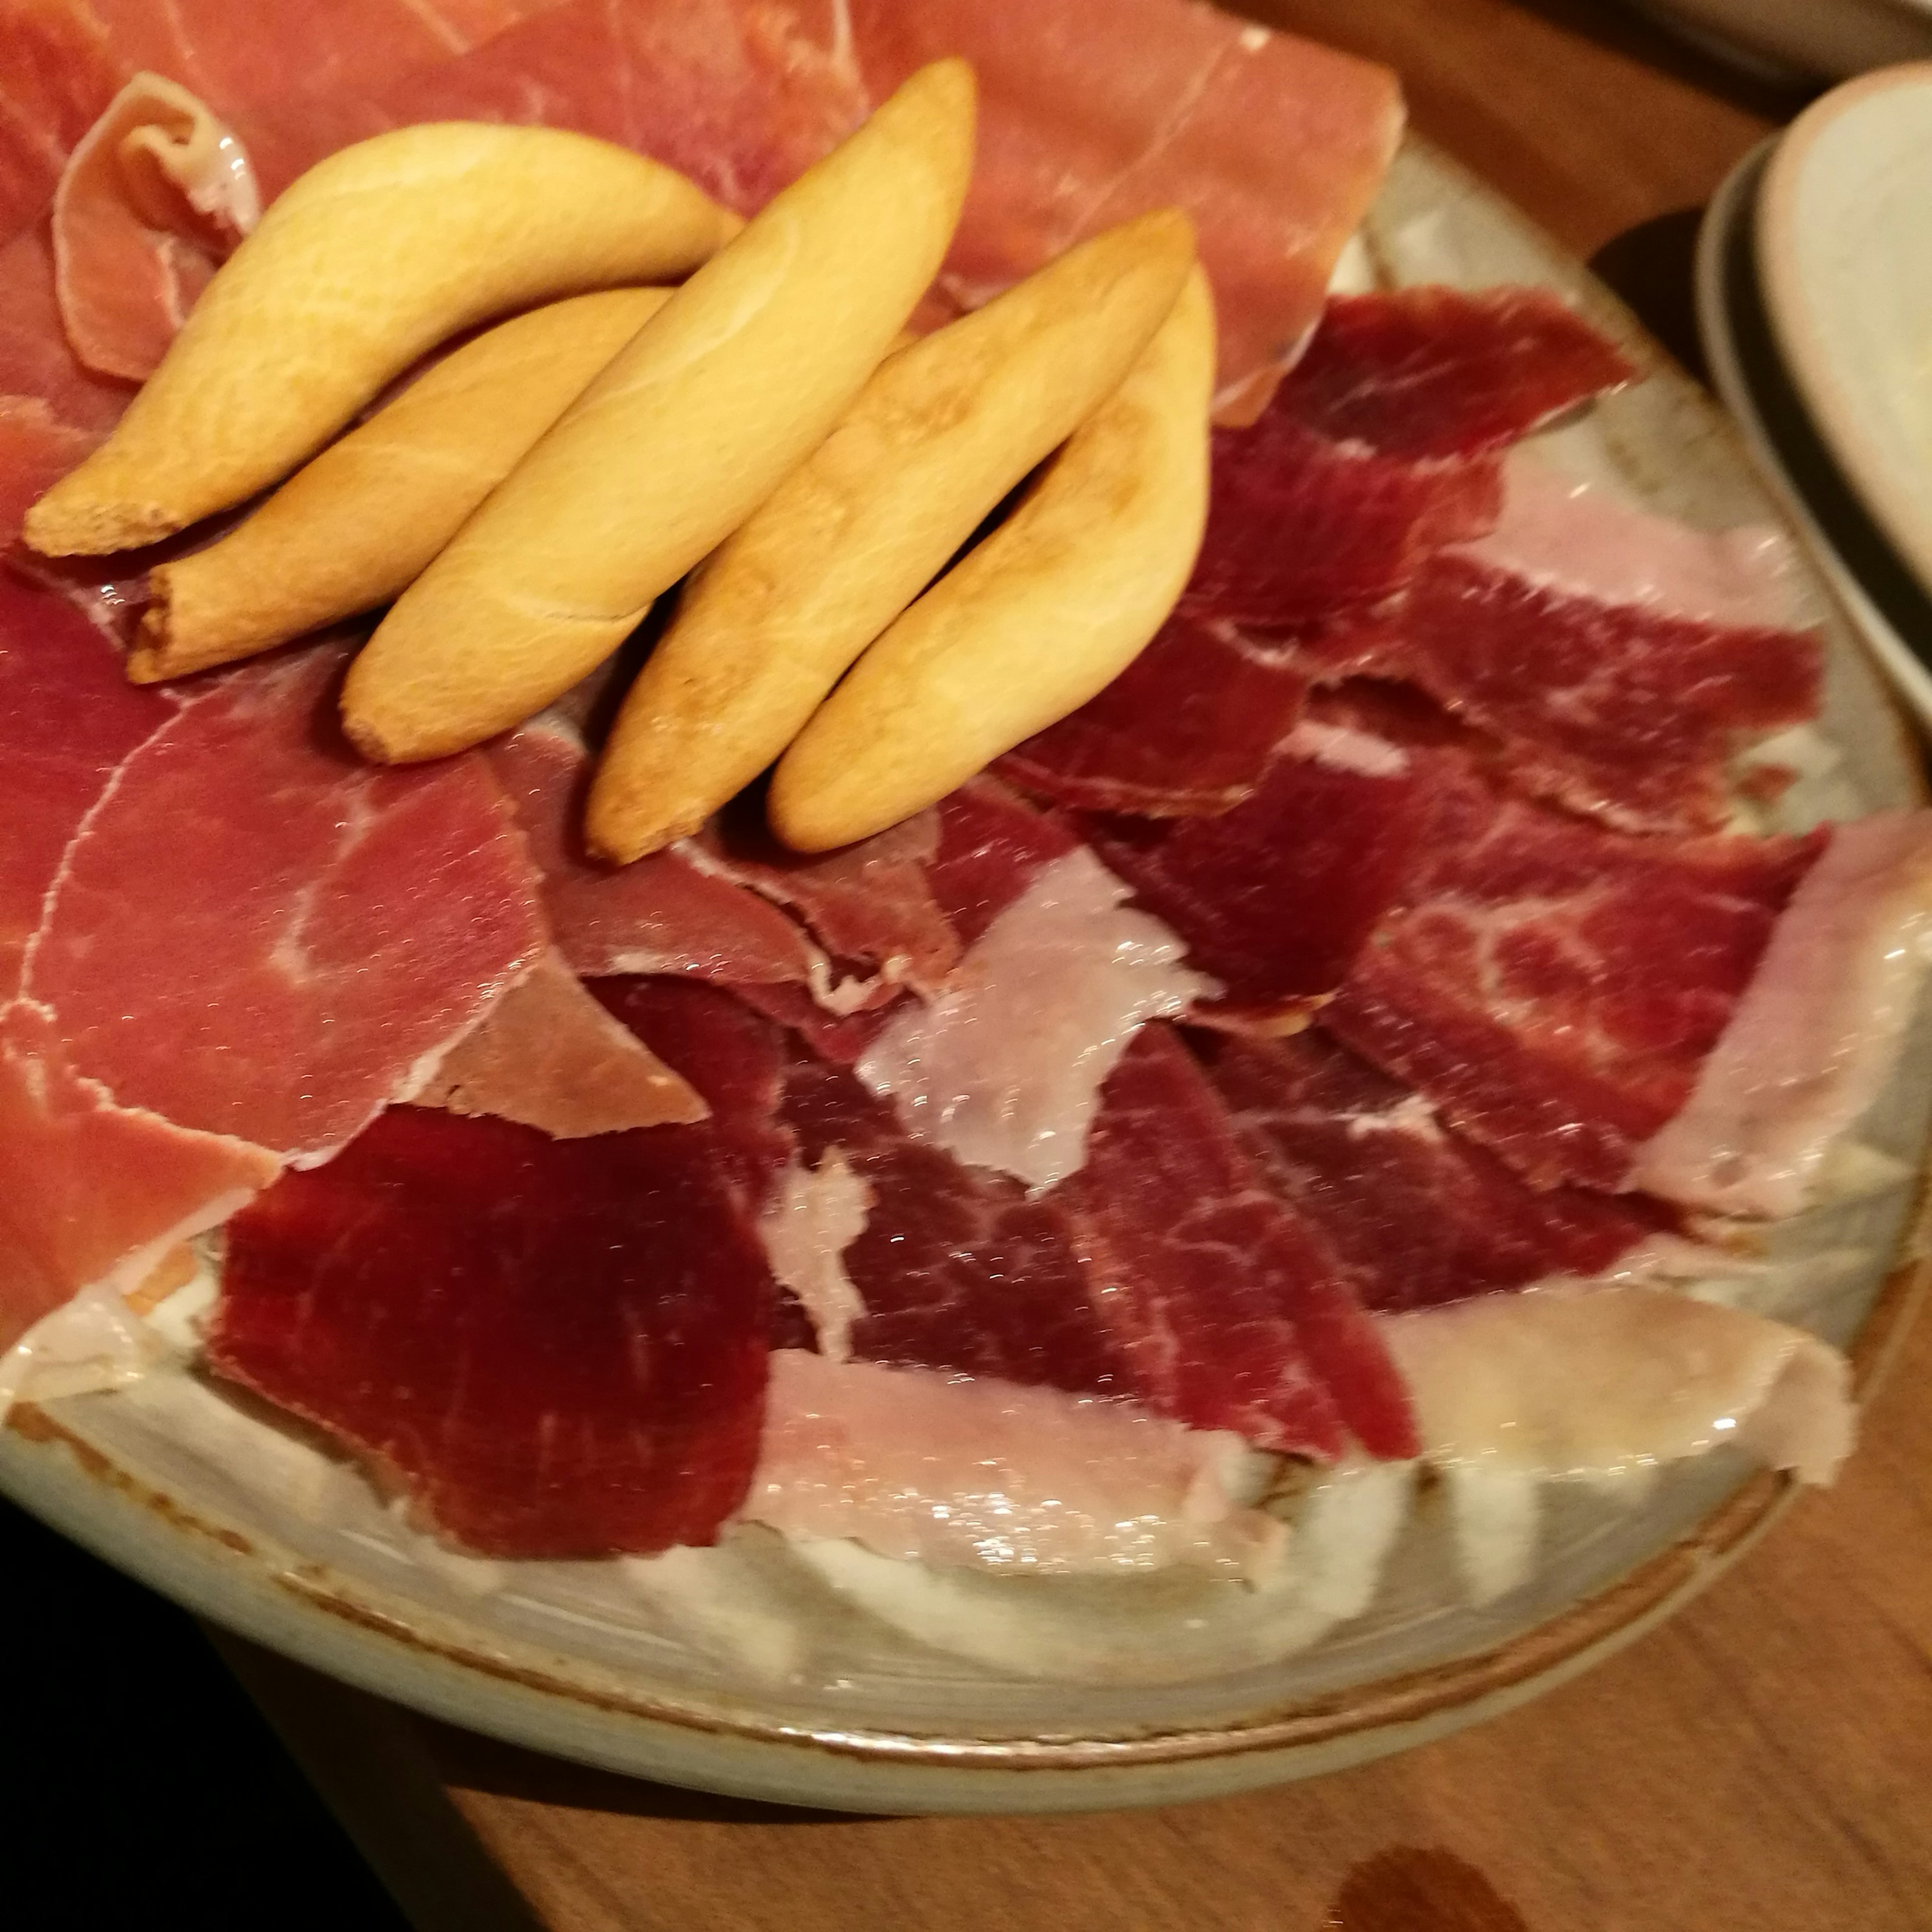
{"type": "Point", "coordinates": [763, 429]}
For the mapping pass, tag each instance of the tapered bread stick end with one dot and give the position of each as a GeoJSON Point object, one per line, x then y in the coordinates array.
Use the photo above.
{"type": "Point", "coordinates": [84, 515]}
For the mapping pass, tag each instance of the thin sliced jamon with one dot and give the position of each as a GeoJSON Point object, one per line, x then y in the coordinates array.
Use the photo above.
{"type": "Point", "coordinates": [955, 1268]}
{"type": "Point", "coordinates": [992, 842]}
{"type": "Point", "coordinates": [1608, 708]}
{"type": "Point", "coordinates": [734, 1059]}
{"type": "Point", "coordinates": [868, 905]}
{"type": "Point", "coordinates": [930, 1469]}
{"type": "Point", "coordinates": [1275, 899]}
{"type": "Point", "coordinates": [1187, 727]}
{"type": "Point", "coordinates": [36, 449]}
{"type": "Point", "coordinates": [1094, 110]}
{"type": "Point", "coordinates": [549, 1055]}
{"type": "Point", "coordinates": [1552, 988]}
{"type": "Point", "coordinates": [152, 200]}
{"type": "Point", "coordinates": [68, 720]}
{"type": "Point", "coordinates": [1232, 1312]}
{"type": "Point", "coordinates": [1604, 1382]}
{"type": "Point", "coordinates": [95, 1193]}
{"type": "Point", "coordinates": [256, 933]}
{"type": "Point", "coordinates": [1419, 1215]}
{"type": "Point", "coordinates": [1816, 1034]}
{"type": "Point", "coordinates": [659, 916]}
{"type": "Point", "coordinates": [1004, 1066]}
{"type": "Point", "coordinates": [556, 1348]}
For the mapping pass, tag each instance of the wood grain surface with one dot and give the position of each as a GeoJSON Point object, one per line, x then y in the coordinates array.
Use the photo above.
{"type": "Point", "coordinates": [1763, 1764]}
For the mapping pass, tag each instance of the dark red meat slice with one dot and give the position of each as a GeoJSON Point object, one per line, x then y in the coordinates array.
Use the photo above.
{"type": "Point", "coordinates": [991, 843]}
{"type": "Point", "coordinates": [1610, 708]}
{"type": "Point", "coordinates": [868, 905]}
{"type": "Point", "coordinates": [839, 1037]}
{"type": "Point", "coordinates": [1428, 373]}
{"type": "Point", "coordinates": [556, 1348]}
{"type": "Point", "coordinates": [1552, 988]}
{"type": "Point", "coordinates": [256, 933]}
{"type": "Point", "coordinates": [1233, 1312]}
{"type": "Point", "coordinates": [734, 1057]}
{"type": "Point", "coordinates": [1186, 728]}
{"type": "Point", "coordinates": [1276, 898]}
{"type": "Point", "coordinates": [958, 1269]}
{"type": "Point", "coordinates": [659, 916]}
{"type": "Point", "coordinates": [1418, 1216]}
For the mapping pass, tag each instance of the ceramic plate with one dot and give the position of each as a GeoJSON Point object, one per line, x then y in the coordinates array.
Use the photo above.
{"type": "Point", "coordinates": [854, 1682]}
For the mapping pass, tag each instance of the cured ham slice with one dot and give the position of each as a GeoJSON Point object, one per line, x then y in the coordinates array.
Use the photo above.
{"type": "Point", "coordinates": [36, 449]}
{"type": "Point", "coordinates": [955, 1268]}
{"type": "Point", "coordinates": [927, 1467]}
{"type": "Point", "coordinates": [659, 916]}
{"type": "Point", "coordinates": [1092, 111]}
{"type": "Point", "coordinates": [248, 896]}
{"type": "Point", "coordinates": [1602, 1381]}
{"type": "Point", "coordinates": [1233, 1312]}
{"type": "Point", "coordinates": [1187, 727]}
{"type": "Point", "coordinates": [1552, 988]}
{"type": "Point", "coordinates": [813, 1216]}
{"type": "Point", "coordinates": [1418, 1216]}
{"type": "Point", "coordinates": [549, 1055]}
{"type": "Point", "coordinates": [1607, 708]}
{"type": "Point", "coordinates": [151, 201]}
{"type": "Point", "coordinates": [991, 843]}
{"type": "Point", "coordinates": [1275, 899]}
{"type": "Point", "coordinates": [95, 1193]}
{"type": "Point", "coordinates": [869, 904]}
{"type": "Point", "coordinates": [1816, 1031]}
{"type": "Point", "coordinates": [58, 75]}
{"type": "Point", "coordinates": [1003, 1067]}
{"type": "Point", "coordinates": [578, 1372]}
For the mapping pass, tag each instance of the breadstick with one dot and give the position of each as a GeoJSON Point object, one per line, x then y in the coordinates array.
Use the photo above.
{"type": "Point", "coordinates": [717, 397]}
{"type": "Point", "coordinates": [1052, 607]}
{"type": "Point", "coordinates": [368, 261]}
{"type": "Point", "coordinates": [364, 519]}
{"type": "Point", "coordinates": [940, 434]}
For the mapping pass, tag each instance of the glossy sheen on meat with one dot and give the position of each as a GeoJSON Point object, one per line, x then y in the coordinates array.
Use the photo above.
{"type": "Point", "coordinates": [1614, 710]}
{"type": "Point", "coordinates": [1418, 1215]}
{"type": "Point", "coordinates": [575, 1370]}
{"type": "Point", "coordinates": [992, 842]}
{"type": "Point", "coordinates": [1552, 988]}
{"type": "Point", "coordinates": [1233, 1311]}
{"type": "Point", "coordinates": [257, 934]}
{"type": "Point", "coordinates": [1187, 726]}
{"type": "Point", "coordinates": [1094, 110]}
{"type": "Point", "coordinates": [658, 916]}
{"type": "Point", "coordinates": [958, 1269]}
{"type": "Point", "coordinates": [94, 1192]}
{"type": "Point", "coordinates": [68, 721]}
{"type": "Point", "coordinates": [1275, 899]}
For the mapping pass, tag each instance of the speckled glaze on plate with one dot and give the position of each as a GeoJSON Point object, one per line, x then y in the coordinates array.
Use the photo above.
{"type": "Point", "coordinates": [767, 1682]}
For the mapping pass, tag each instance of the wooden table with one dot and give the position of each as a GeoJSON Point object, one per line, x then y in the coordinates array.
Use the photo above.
{"type": "Point", "coordinates": [1764, 1764]}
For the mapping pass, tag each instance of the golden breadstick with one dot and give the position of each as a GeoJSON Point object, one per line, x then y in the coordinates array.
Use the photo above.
{"type": "Point", "coordinates": [364, 519]}
{"type": "Point", "coordinates": [372, 258]}
{"type": "Point", "coordinates": [940, 434]}
{"type": "Point", "coordinates": [1051, 607]}
{"type": "Point", "coordinates": [720, 395]}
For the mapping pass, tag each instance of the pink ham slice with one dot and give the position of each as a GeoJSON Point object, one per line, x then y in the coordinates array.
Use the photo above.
{"type": "Point", "coordinates": [659, 916]}
{"type": "Point", "coordinates": [255, 934]}
{"type": "Point", "coordinates": [579, 1370]}
{"type": "Point", "coordinates": [152, 200]}
{"type": "Point", "coordinates": [1419, 1215]}
{"type": "Point", "coordinates": [1552, 988]}
{"type": "Point", "coordinates": [95, 1193]}
{"type": "Point", "coordinates": [1232, 1312]}
{"type": "Point", "coordinates": [549, 1055]}
{"type": "Point", "coordinates": [1275, 899]}
{"type": "Point", "coordinates": [930, 1469]}
{"type": "Point", "coordinates": [1094, 110]}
